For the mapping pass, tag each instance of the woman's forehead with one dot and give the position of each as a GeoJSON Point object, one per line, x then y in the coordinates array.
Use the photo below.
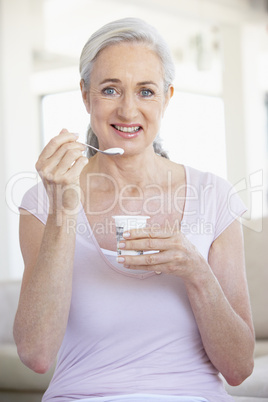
{"type": "Point", "coordinates": [125, 59]}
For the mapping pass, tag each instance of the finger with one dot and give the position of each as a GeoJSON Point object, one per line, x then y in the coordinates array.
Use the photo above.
{"type": "Point", "coordinates": [50, 165]}
{"type": "Point", "coordinates": [77, 167]}
{"type": "Point", "coordinates": [66, 150]}
{"type": "Point", "coordinates": [164, 262]}
{"type": "Point", "coordinates": [68, 160]}
{"type": "Point", "coordinates": [63, 137]}
{"type": "Point", "coordinates": [149, 244]}
{"type": "Point", "coordinates": [157, 269]}
{"type": "Point", "coordinates": [148, 232]}
{"type": "Point", "coordinates": [147, 260]}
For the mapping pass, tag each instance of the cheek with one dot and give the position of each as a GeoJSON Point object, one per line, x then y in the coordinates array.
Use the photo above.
{"type": "Point", "coordinates": [155, 113]}
{"type": "Point", "coordinates": [100, 111]}
{"type": "Point", "coordinates": [99, 106]}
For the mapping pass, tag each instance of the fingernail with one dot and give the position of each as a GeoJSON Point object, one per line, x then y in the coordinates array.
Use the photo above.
{"type": "Point", "coordinates": [121, 245]}
{"type": "Point", "coordinates": [126, 234]}
{"type": "Point", "coordinates": [120, 259]}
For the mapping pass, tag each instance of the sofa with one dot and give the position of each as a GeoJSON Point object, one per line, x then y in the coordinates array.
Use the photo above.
{"type": "Point", "coordinates": [19, 384]}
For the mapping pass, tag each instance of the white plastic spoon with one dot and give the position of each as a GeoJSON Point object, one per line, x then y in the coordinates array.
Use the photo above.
{"type": "Point", "coordinates": [109, 151]}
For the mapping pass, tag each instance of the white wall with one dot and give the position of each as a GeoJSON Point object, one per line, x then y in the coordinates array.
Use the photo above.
{"type": "Point", "coordinates": [244, 89]}
{"type": "Point", "coordinates": [18, 119]}
{"type": "Point", "coordinates": [255, 56]}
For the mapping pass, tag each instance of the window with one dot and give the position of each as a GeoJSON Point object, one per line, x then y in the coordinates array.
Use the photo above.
{"type": "Point", "coordinates": [193, 132]}
{"type": "Point", "coordinates": [63, 110]}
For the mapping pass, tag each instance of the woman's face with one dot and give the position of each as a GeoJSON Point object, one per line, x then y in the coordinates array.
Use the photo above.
{"type": "Point", "coordinates": [126, 98]}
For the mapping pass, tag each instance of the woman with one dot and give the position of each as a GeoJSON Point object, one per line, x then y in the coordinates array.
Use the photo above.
{"type": "Point", "coordinates": [157, 326]}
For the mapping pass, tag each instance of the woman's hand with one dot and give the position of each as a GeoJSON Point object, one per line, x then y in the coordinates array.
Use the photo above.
{"type": "Point", "coordinates": [177, 255]}
{"type": "Point", "coordinates": [59, 166]}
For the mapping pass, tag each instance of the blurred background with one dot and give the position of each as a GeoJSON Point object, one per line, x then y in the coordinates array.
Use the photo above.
{"type": "Point", "coordinates": [217, 120]}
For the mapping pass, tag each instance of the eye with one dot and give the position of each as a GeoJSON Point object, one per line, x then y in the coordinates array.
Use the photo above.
{"type": "Point", "coordinates": [146, 93]}
{"type": "Point", "coordinates": [109, 91]}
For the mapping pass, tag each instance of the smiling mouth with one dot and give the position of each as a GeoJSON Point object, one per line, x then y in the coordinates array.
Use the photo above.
{"type": "Point", "coordinates": [131, 130]}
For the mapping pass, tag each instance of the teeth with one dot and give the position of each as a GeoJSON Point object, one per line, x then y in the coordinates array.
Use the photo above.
{"type": "Point", "coordinates": [127, 129]}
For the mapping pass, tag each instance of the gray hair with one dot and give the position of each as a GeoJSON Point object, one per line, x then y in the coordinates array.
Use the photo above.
{"type": "Point", "coordinates": [125, 30]}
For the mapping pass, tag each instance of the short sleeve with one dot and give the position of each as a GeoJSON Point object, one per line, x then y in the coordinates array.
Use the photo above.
{"type": "Point", "coordinates": [36, 202]}
{"type": "Point", "coordinates": [229, 205]}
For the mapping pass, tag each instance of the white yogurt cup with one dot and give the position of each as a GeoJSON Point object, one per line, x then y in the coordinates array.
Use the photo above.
{"type": "Point", "coordinates": [124, 223]}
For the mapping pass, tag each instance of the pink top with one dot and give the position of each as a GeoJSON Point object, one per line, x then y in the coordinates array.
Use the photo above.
{"type": "Point", "coordinates": [134, 332]}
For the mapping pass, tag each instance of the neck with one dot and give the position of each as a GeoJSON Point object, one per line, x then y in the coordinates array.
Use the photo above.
{"type": "Point", "coordinates": [136, 170]}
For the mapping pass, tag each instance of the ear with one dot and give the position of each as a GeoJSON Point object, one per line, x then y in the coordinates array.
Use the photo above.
{"type": "Point", "coordinates": [85, 95]}
{"type": "Point", "coordinates": [169, 95]}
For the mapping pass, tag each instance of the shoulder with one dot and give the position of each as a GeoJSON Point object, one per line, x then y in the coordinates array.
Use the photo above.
{"type": "Point", "coordinates": [35, 194]}
{"type": "Point", "coordinates": [214, 185]}
{"type": "Point", "coordinates": [214, 198]}
{"type": "Point", "coordinates": [198, 183]}
{"type": "Point", "coordinates": [196, 176]}
{"type": "Point", "coordinates": [35, 201]}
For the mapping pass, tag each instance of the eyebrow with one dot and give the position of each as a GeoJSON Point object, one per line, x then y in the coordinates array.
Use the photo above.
{"type": "Point", "coordinates": [109, 80]}
{"type": "Point", "coordinates": [116, 80]}
{"type": "Point", "coordinates": [147, 83]}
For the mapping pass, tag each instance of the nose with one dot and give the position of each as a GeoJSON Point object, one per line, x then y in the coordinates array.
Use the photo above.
{"type": "Point", "coordinates": [127, 108]}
